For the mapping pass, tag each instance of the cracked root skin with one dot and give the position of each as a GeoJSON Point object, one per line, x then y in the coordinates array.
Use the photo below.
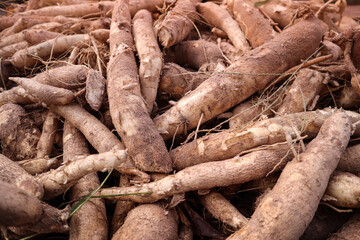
{"type": "Point", "coordinates": [127, 108]}
{"type": "Point", "coordinates": [236, 170]}
{"type": "Point", "coordinates": [149, 221]}
{"type": "Point", "coordinates": [286, 211]}
{"type": "Point", "coordinates": [227, 144]}
{"type": "Point", "coordinates": [151, 62]}
{"type": "Point", "coordinates": [18, 134]}
{"type": "Point", "coordinates": [285, 51]}
{"type": "Point", "coordinates": [177, 23]}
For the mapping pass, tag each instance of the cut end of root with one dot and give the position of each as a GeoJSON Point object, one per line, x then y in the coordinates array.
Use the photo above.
{"type": "Point", "coordinates": [165, 38]}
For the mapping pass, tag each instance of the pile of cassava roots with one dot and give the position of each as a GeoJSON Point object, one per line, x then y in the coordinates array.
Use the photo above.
{"type": "Point", "coordinates": [180, 119]}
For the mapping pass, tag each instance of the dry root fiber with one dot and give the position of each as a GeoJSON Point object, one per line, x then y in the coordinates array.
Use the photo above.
{"type": "Point", "coordinates": [177, 81]}
{"type": "Point", "coordinates": [275, 56]}
{"type": "Point", "coordinates": [134, 78]}
{"type": "Point", "coordinates": [290, 201]}
{"type": "Point", "coordinates": [229, 143]}
{"type": "Point", "coordinates": [177, 23]}
{"type": "Point", "coordinates": [30, 57]}
{"type": "Point", "coordinates": [208, 175]}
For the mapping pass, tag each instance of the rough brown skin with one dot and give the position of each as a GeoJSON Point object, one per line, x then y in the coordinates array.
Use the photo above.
{"type": "Point", "coordinates": [349, 231]}
{"type": "Point", "coordinates": [101, 35]}
{"type": "Point", "coordinates": [229, 143]}
{"type": "Point", "coordinates": [149, 221]}
{"type": "Point", "coordinates": [52, 220]}
{"type": "Point", "coordinates": [45, 93]}
{"type": "Point", "coordinates": [89, 222]}
{"type": "Point", "coordinates": [195, 53]}
{"type": "Point", "coordinates": [16, 95]}
{"type": "Point", "coordinates": [77, 10]}
{"type": "Point", "coordinates": [127, 108]}
{"type": "Point", "coordinates": [14, 24]}
{"type": "Point", "coordinates": [223, 210]}
{"type": "Point", "coordinates": [8, 51]}
{"type": "Point", "coordinates": [256, 27]}
{"type": "Point", "coordinates": [14, 211]}
{"type": "Point", "coordinates": [13, 174]}
{"type": "Point", "coordinates": [95, 132]}
{"type": "Point", "coordinates": [32, 37]}
{"type": "Point", "coordinates": [57, 181]}
{"type": "Point", "coordinates": [301, 96]}
{"type": "Point", "coordinates": [38, 165]}
{"type": "Point", "coordinates": [350, 160]}
{"type": "Point", "coordinates": [325, 222]}
{"type": "Point", "coordinates": [68, 77]}
{"type": "Point", "coordinates": [283, 52]}
{"type": "Point", "coordinates": [36, 4]}
{"type": "Point", "coordinates": [220, 18]}
{"type": "Point", "coordinates": [150, 56]}
{"type": "Point", "coordinates": [286, 211]}
{"type": "Point", "coordinates": [80, 10]}
{"type": "Point", "coordinates": [95, 89]}
{"type": "Point", "coordinates": [52, 47]}
{"type": "Point", "coordinates": [18, 134]}
{"type": "Point", "coordinates": [249, 111]}
{"type": "Point", "coordinates": [282, 11]}
{"type": "Point", "coordinates": [150, 5]}
{"type": "Point", "coordinates": [47, 138]}
{"type": "Point", "coordinates": [343, 190]}
{"type": "Point", "coordinates": [177, 23]}
{"type": "Point", "coordinates": [122, 208]}
{"type": "Point", "coordinates": [236, 170]}
{"type": "Point", "coordinates": [176, 80]}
